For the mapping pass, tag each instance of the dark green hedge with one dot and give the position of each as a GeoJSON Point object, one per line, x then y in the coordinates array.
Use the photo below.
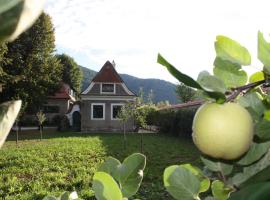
{"type": "Point", "coordinates": [176, 123]}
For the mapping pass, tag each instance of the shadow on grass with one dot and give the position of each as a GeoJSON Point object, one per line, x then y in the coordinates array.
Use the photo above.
{"type": "Point", "coordinates": [35, 135]}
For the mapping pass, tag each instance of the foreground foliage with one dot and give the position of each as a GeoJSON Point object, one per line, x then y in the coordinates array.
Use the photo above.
{"type": "Point", "coordinates": [229, 83]}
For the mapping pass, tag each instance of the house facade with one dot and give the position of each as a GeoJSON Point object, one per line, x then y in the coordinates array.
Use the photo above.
{"type": "Point", "coordinates": [102, 100]}
{"type": "Point", "coordinates": [59, 103]}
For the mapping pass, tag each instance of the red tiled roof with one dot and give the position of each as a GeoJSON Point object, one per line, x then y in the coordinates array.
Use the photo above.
{"type": "Point", "coordinates": [59, 96]}
{"type": "Point", "coordinates": [63, 92]}
{"type": "Point", "coordinates": [184, 105]}
{"type": "Point", "coordinates": [107, 74]}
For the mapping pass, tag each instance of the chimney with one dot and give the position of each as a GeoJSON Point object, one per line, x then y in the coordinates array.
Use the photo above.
{"type": "Point", "coordinates": [113, 64]}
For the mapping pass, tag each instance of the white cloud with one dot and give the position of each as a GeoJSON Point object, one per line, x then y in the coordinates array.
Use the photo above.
{"type": "Point", "coordinates": [132, 32]}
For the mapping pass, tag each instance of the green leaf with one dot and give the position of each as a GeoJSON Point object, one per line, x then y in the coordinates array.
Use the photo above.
{"type": "Point", "coordinates": [105, 187]}
{"type": "Point", "coordinates": [16, 16]}
{"type": "Point", "coordinates": [257, 76]}
{"type": "Point", "coordinates": [266, 115]}
{"type": "Point", "coordinates": [8, 114]}
{"type": "Point", "coordinates": [211, 83]}
{"type": "Point", "coordinates": [65, 196]}
{"type": "Point", "coordinates": [188, 81]}
{"type": "Point", "coordinates": [262, 129]}
{"type": "Point", "coordinates": [258, 191]}
{"type": "Point", "coordinates": [264, 52]}
{"type": "Point", "coordinates": [217, 166]}
{"type": "Point", "coordinates": [210, 198]}
{"type": "Point", "coordinates": [10, 11]}
{"type": "Point", "coordinates": [230, 73]}
{"type": "Point", "coordinates": [111, 166]}
{"type": "Point", "coordinates": [68, 196]}
{"type": "Point", "coordinates": [220, 191]}
{"type": "Point", "coordinates": [228, 49]}
{"type": "Point", "coordinates": [181, 183]}
{"type": "Point", "coordinates": [255, 152]}
{"type": "Point", "coordinates": [261, 176]}
{"type": "Point", "coordinates": [249, 172]}
{"type": "Point", "coordinates": [253, 102]}
{"type": "Point", "coordinates": [6, 5]}
{"type": "Point", "coordinates": [212, 86]}
{"type": "Point", "coordinates": [49, 198]}
{"type": "Point", "coordinates": [204, 181]}
{"type": "Point", "coordinates": [131, 174]}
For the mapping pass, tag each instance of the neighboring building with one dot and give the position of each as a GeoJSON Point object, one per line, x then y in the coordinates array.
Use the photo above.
{"type": "Point", "coordinates": [60, 103]}
{"type": "Point", "coordinates": [102, 100]}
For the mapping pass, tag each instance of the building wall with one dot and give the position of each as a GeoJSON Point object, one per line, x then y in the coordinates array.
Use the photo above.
{"type": "Point", "coordinates": [63, 105]}
{"type": "Point", "coordinates": [88, 125]}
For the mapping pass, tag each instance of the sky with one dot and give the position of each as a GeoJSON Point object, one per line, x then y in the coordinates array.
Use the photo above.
{"type": "Point", "coordinates": [133, 32]}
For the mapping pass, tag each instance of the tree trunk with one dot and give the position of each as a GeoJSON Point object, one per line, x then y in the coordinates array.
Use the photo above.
{"type": "Point", "coordinates": [125, 137]}
{"type": "Point", "coordinates": [141, 142]}
{"type": "Point", "coordinates": [17, 133]}
{"type": "Point", "coordinates": [40, 131]}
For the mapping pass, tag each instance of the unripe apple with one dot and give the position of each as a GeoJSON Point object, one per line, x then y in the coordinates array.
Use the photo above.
{"type": "Point", "coordinates": [222, 130]}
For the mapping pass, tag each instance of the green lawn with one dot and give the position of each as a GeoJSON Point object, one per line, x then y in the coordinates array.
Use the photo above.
{"type": "Point", "coordinates": [67, 161]}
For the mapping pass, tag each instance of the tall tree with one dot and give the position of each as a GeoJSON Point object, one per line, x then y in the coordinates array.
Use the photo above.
{"type": "Point", "coordinates": [32, 64]}
{"type": "Point", "coordinates": [72, 73]}
{"type": "Point", "coordinates": [3, 60]}
{"type": "Point", "coordinates": [185, 93]}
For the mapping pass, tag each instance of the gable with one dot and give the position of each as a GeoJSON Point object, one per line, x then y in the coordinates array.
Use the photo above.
{"type": "Point", "coordinates": [107, 74]}
{"type": "Point", "coordinates": [120, 89]}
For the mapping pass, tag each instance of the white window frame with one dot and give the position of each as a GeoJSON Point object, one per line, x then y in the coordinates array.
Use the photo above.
{"type": "Point", "coordinates": [92, 111]}
{"type": "Point", "coordinates": [115, 104]}
{"type": "Point", "coordinates": [101, 85]}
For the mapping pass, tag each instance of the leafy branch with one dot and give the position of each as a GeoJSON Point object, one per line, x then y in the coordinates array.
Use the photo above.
{"type": "Point", "coordinates": [238, 90]}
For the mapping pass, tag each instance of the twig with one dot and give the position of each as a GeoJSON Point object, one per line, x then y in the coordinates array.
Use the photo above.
{"type": "Point", "coordinates": [238, 90]}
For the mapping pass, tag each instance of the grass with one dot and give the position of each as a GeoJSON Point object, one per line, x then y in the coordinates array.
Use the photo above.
{"type": "Point", "coordinates": [67, 161]}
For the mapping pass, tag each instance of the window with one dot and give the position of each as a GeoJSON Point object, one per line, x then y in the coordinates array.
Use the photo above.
{"type": "Point", "coordinates": [107, 88]}
{"type": "Point", "coordinates": [115, 109]}
{"type": "Point", "coordinates": [98, 111]}
{"type": "Point", "coordinates": [51, 109]}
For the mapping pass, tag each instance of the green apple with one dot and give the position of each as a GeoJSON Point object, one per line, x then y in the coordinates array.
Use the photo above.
{"type": "Point", "coordinates": [222, 130]}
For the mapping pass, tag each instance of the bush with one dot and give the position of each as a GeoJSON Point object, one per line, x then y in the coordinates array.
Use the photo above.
{"type": "Point", "coordinates": [61, 121]}
{"type": "Point", "coordinates": [64, 124]}
{"type": "Point", "coordinates": [177, 123]}
{"type": "Point", "coordinates": [28, 121]}
{"type": "Point", "coordinates": [56, 120]}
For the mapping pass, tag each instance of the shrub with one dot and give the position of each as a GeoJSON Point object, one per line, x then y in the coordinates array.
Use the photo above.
{"type": "Point", "coordinates": [177, 123]}
{"type": "Point", "coordinates": [64, 124]}
{"type": "Point", "coordinates": [61, 121]}
{"type": "Point", "coordinates": [28, 121]}
{"type": "Point", "coordinates": [56, 120]}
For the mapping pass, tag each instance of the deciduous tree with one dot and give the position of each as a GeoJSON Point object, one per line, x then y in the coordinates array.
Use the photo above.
{"type": "Point", "coordinates": [30, 71]}
{"type": "Point", "coordinates": [185, 93]}
{"type": "Point", "coordinates": [72, 73]}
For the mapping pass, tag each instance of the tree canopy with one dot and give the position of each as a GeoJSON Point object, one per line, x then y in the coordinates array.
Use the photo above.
{"type": "Point", "coordinates": [185, 93]}
{"type": "Point", "coordinates": [28, 68]}
{"type": "Point", "coordinates": [72, 73]}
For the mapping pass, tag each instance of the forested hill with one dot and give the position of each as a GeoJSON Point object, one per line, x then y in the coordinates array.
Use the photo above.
{"type": "Point", "coordinates": [163, 90]}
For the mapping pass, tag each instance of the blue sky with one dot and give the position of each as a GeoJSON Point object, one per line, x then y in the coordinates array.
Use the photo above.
{"type": "Point", "coordinates": [132, 32]}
